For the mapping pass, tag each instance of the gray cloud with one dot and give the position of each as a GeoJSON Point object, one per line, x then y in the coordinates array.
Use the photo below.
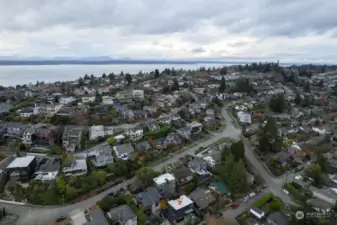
{"type": "Point", "coordinates": [198, 50]}
{"type": "Point", "coordinates": [128, 23]}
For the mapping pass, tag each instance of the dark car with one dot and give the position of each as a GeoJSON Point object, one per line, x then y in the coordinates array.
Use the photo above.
{"type": "Point", "coordinates": [61, 218]}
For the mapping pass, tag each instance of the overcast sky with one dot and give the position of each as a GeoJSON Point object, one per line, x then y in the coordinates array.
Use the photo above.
{"type": "Point", "coordinates": [287, 30]}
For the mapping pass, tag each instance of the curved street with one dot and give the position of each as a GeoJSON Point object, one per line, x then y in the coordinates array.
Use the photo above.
{"type": "Point", "coordinates": [35, 215]}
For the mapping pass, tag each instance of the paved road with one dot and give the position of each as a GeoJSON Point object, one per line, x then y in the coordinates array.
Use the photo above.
{"type": "Point", "coordinates": [31, 215]}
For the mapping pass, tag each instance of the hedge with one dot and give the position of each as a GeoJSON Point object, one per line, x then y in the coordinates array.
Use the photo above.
{"type": "Point", "coordinates": [263, 200]}
{"type": "Point", "coordinates": [294, 191]}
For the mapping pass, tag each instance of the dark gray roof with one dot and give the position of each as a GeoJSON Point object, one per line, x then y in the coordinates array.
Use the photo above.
{"type": "Point", "coordinates": [182, 173]}
{"type": "Point", "coordinates": [282, 156]}
{"type": "Point", "coordinates": [96, 217]}
{"type": "Point", "coordinates": [318, 203]}
{"type": "Point", "coordinates": [121, 213]}
{"type": "Point", "coordinates": [124, 148]}
{"type": "Point", "coordinates": [49, 166]}
{"type": "Point", "coordinates": [277, 218]}
{"type": "Point", "coordinates": [198, 164]}
{"type": "Point", "coordinates": [148, 197]}
{"type": "Point", "coordinates": [202, 198]}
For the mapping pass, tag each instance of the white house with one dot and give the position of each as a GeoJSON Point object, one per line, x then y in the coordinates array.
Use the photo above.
{"type": "Point", "coordinates": [96, 132]}
{"type": "Point", "coordinates": [135, 132]}
{"type": "Point", "coordinates": [138, 94]}
{"type": "Point", "coordinates": [244, 117]}
{"type": "Point", "coordinates": [66, 100]}
{"type": "Point", "coordinates": [107, 100]}
{"type": "Point", "coordinates": [88, 99]}
{"type": "Point", "coordinates": [27, 136]}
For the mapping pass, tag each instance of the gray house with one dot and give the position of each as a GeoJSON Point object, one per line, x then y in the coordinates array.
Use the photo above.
{"type": "Point", "coordinates": [123, 214]}
{"type": "Point", "coordinates": [71, 138]}
{"type": "Point", "coordinates": [14, 130]}
{"type": "Point", "coordinates": [102, 155]}
{"type": "Point", "coordinates": [5, 107]}
{"type": "Point", "coordinates": [148, 200]}
{"type": "Point", "coordinates": [124, 151]}
{"type": "Point", "coordinates": [96, 217]}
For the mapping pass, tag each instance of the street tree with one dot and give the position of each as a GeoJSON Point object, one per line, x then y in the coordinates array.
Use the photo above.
{"type": "Point", "coordinates": [298, 99]}
{"type": "Point", "coordinates": [146, 175]}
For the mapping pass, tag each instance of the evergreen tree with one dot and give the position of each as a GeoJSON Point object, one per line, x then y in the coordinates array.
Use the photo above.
{"type": "Point", "coordinates": [156, 73]}
{"type": "Point", "coordinates": [298, 99]}
{"type": "Point", "coordinates": [277, 104]}
{"type": "Point", "coordinates": [128, 78]}
{"type": "Point", "coordinates": [175, 85]}
{"type": "Point", "coordinates": [227, 167]}
{"type": "Point", "coordinates": [222, 87]}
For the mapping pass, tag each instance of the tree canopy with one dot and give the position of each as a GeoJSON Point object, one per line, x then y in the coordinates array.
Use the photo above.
{"type": "Point", "coordinates": [277, 103]}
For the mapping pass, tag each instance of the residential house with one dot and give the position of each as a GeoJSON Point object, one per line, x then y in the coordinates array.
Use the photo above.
{"type": "Point", "coordinates": [320, 205]}
{"type": "Point", "coordinates": [149, 200]}
{"type": "Point", "coordinates": [65, 111]}
{"type": "Point", "coordinates": [127, 114]}
{"type": "Point", "coordinates": [277, 218]}
{"type": "Point", "coordinates": [172, 140]}
{"type": "Point", "coordinates": [65, 100]}
{"type": "Point", "coordinates": [107, 100]}
{"type": "Point", "coordinates": [221, 188]}
{"type": "Point", "coordinates": [48, 170]}
{"type": "Point", "coordinates": [88, 99]}
{"type": "Point", "coordinates": [199, 166]}
{"type": "Point", "coordinates": [124, 96]}
{"type": "Point", "coordinates": [135, 132]}
{"type": "Point", "coordinates": [26, 112]}
{"type": "Point", "coordinates": [22, 168]}
{"type": "Point", "coordinates": [213, 159]}
{"type": "Point", "coordinates": [202, 198]}
{"type": "Point", "coordinates": [43, 136]}
{"type": "Point", "coordinates": [140, 114]}
{"type": "Point", "coordinates": [96, 217]}
{"type": "Point", "coordinates": [210, 112]}
{"type": "Point", "coordinates": [165, 120]}
{"type": "Point", "coordinates": [14, 130]}
{"type": "Point", "coordinates": [143, 146]}
{"type": "Point", "coordinates": [138, 94]}
{"type": "Point", "coordinates": [150, 109]}
{"type": "Point", "coordinates": [5, 107]}
{"type": "Point", "coordinates": [78, 167]}
{"type": "Point", "coordinates": [123, 214]}
{"type": "Point", "coordinates": [124, 151]}
{"type": "Point", "coordinates": [328, 195]}
{"type": "Point", "coordinates": [166, 184]}
{"type": "Point", "coordinates": [152, 125]}
{"type": "Point", "coordinates": [258, 213]}
{"type": "Point", "coordinates": [100, 131]}
{"type": "Point", "coordinates": [27, 135]}
{"type": "Point", "coordinates": [101, 110]}
{"type": "Point", "coordinates": [183, 176]}
{"type": "Point", "coordinates": [283, 158]}
{"type": "Point", "coordinates": [102, 155]}
{"type": "Point", "coordinates": [244, 118]}
{"type": "Point", "coordinates": [71, 138]}
{"type": "Point", "coordinates": [179, 208]}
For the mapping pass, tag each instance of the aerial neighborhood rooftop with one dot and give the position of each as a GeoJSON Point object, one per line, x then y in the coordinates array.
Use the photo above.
{"type": "Point", "coordinates": [241, 144]}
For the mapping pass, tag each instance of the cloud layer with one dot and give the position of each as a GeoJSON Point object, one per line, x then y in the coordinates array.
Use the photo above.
{"type": "Point", "coordinates": [287, 30]}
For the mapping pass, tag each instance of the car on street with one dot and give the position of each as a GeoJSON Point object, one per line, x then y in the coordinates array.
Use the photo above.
{"type": "Point", "coordinates": [251, 195]}
{"type": "Point", "coordinates": [245, 198]}
{"type": "Point", "coordinates": [285, 191]}
{"type": "Point", "coordinates": [60, 219]}
{"type": "Point", "coordinates": [235, 205]}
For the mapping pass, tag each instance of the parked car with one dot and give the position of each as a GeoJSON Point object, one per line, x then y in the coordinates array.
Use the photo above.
{"type": "Point", "coordinates": [245, 199]}
{"type": "Point", "coordinates": [251, 195]}
{"type": "Point", "coordinates": [285, 191]}
{"type": "Point", "coordinates": [60, 219]}
{"type": "Point", "coordinates": [235, 205]}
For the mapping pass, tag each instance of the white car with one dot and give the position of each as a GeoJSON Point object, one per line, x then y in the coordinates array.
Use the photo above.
{"type": "Point", "coordinates": [245, 198]}
{"type": "Point", "coordinates": [285, 191]}
{"type": "Point", "coordinates": [251, 195]}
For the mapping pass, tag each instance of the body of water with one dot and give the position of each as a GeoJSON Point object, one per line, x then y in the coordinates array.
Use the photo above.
{"type": "Point", "coordinates": [13, 75]}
